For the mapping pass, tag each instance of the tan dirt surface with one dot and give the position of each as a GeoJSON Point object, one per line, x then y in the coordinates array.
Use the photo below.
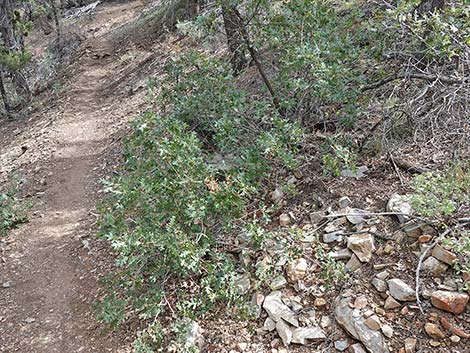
{"type": "Point", "coordinates": [49, 268]}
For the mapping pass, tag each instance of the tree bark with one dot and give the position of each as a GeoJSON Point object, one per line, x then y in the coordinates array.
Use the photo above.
{"type": "Point", "coordinates": [235, 41]}
{"type": "Point", "coordinates": [4, 96]}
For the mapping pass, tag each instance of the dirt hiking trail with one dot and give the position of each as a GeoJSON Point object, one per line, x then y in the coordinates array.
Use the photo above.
{"type": "Point", "coordinates": [49, 267]}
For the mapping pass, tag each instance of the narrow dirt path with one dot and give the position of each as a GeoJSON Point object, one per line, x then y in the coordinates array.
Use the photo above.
{"type": "Point", "coordinates": [48, 276]}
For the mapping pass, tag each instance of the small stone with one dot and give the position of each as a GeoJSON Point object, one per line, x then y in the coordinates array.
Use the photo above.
{"type": "Point", "coordinates": [455, 339]}
{"type": "Point", "coordinates": [341, 345]}
{"type": "Point", "coordinates": [358, 173]}
{"type": "Point", "coordinates": [325, 322]}
{"type": "Point", "coordinates": [278, 282]}
{"type": "Point", "coordinates": [344, 202]}
{"type": "Point", "coordinates": [388, 249]}
{"type": "Point", "coordinates": [29, 320]}
{"type": "Point", "coordinates": [357, 216]}
{"type": "Point", "coordinates": [380, 311]}
{"type": "Point", "coordinates": [194, 336]}
{"type": "Point", "coordinates": [387, 330]}
{"type": "Point", "coordinates": [360, 302]}
{"type": "Point", "coordinates": [413, 230]}
{"type": "Point", "coordinates": [433, 331]}
{"type": "Point", "coordinates": [302, 335]}
{"type": "Point", "coordinates": [357, 348]}
{"type": "Point", "coordinates": [400, 290]}
{"type": "Point", "coordinates": [383, 275]}
{"type": "Point", "coordinates": [277, 195]}
{"type": "Point", "coordinates": [269, 324]}
{"type": "Point", "coordinates": [433, 265]}
{"type": "Point", "coordinates": [362, 245]}
{"type": "Point", "coordinates": [373, 323]}
{"type": "Point", "coordinates": [296, 270]}
{"type": "Point", "coordinates": [316, 217]}
{"type": "Point", "coordinates": [284, 331]}
{"type": "Point", "coordinates": [391, 303]}
{"type": "Point", "coordinates": [425, 238]}
{"type": "Point", "coordinates": [342, 254]}
{"type": "Point", "coordinates": [410, 345]}
{"type": "Point", "coordinates": [319, 302]}
{"type": "Point", "coordinates": [380, 285]}
{"type": "Point", "coordinates": [453, 302]}
{"type": "Point", "coordinates": [444, 255]}
{"type": "Point", "coordinates": [433, 343]}
{"type": "Point", "coordinates": [284, 220]}
{"type": "Point", "coordinates": [400, 204]}
{"type": "Point", "coordinates": [332, 237]}
{"type": "Point", "coordinates": [6, 284]}
{"type": "Point", "coordinates": [353, 264]}
{"type": "Point", "coordinates": [277, 310]}
{"type": "Point", "coordinates": [242, 346]}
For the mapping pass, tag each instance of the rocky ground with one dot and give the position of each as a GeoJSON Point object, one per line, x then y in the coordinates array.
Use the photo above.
{"type": "Point", "coordinates": [50, 267]}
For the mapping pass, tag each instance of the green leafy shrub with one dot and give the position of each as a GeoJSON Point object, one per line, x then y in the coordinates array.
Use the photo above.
{"type": "Point", "coordinates": [188, 173]}
{"type": "Point", "coordinates": [460, 244]}
{"type": "Point", "coordinates": [442, 194]}
{"type": "Point", "coordinates": [12, 209]}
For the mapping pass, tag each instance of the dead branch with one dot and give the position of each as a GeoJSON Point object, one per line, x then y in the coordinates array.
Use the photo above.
{"type": "Point", "coordinates": [425, 77]}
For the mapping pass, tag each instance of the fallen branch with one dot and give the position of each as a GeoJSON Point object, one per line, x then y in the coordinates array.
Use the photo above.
{"type": "Point", "coordinates": [425, 77]}
{"type": "Point", "coordinates": [408, 167]}
{"type": "Point", "coordinates": [423, 255]}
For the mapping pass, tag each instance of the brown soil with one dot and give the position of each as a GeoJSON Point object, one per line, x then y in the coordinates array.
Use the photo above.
{"type": "Point", "coordinates": [49, 268]}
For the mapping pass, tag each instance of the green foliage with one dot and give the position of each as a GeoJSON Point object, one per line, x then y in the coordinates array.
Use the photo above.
{"type": "Point", "coordinates": [187, 175]}
{"type": "Point", "coordinates": [441, 194]}
{"type": "Point", "coordinates": [333, 272]}
{"type": "Point", "coordinates": [12, 209]}
{"type": "Point", "coordinates": [460, 244]}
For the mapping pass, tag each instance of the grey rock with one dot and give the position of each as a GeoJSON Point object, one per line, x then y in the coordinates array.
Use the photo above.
{"type": "Point", "coordinates": [400, 204]}
{"type": "Point", "coordinates": [344, 202]}
{"type": "Point", "coordinates": [362, 245]}
{"type": "Point", "coordinates": [400, 290]}
{"type": "Point", "coordinates": [341, 345]}
{"type": "Point", "coordinates": [342, 254]}
{"type": "Point", "coordinates": [357, 348]}
{"type": "Point", "coordinates": [373, 341]}
{"type": "Point", "coordinates": [6, 284]}
{"type": "Point", "coordinates": [332, 237]}
{"type": "Point", "coordinates": [269, 324]}
{"type": "Point", "coordinates": [391, 303]}
{"type": "Point", "coordinates": [284, 331]}
{"type": "Point", "coordinates": [387, 330]}
{"type": "Point", "coordinates": [434, 266]}
{"type": "Point", "coordinates": [357, 216]}
{"type": "Point", "coordinates": [302, 335]}
{"type": "Point", "coordinates": [379, 284]}
{"type": "Point", "coordinates": [278, 282]}
{"type": "Point", "coordinates": [382, 275]}
{"type": "Point", "coordinates": [325, 322]}
{"type": "Point", "coordinates": [353, 264]}
{"type": "Point", "coordinates": [358, 173]}
{"type": "Point", "coordinates": [194, 336]}
{"type": "Point", "coordinates": [277, 310]}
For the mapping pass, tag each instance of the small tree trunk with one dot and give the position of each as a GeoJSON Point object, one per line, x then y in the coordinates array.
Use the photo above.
{"type": "Point", "coordinates": [235, 41]}
{"type": "Point", "coordinates": [4, 96]}
{"type": "Point", "coordinates": [55, 13]}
